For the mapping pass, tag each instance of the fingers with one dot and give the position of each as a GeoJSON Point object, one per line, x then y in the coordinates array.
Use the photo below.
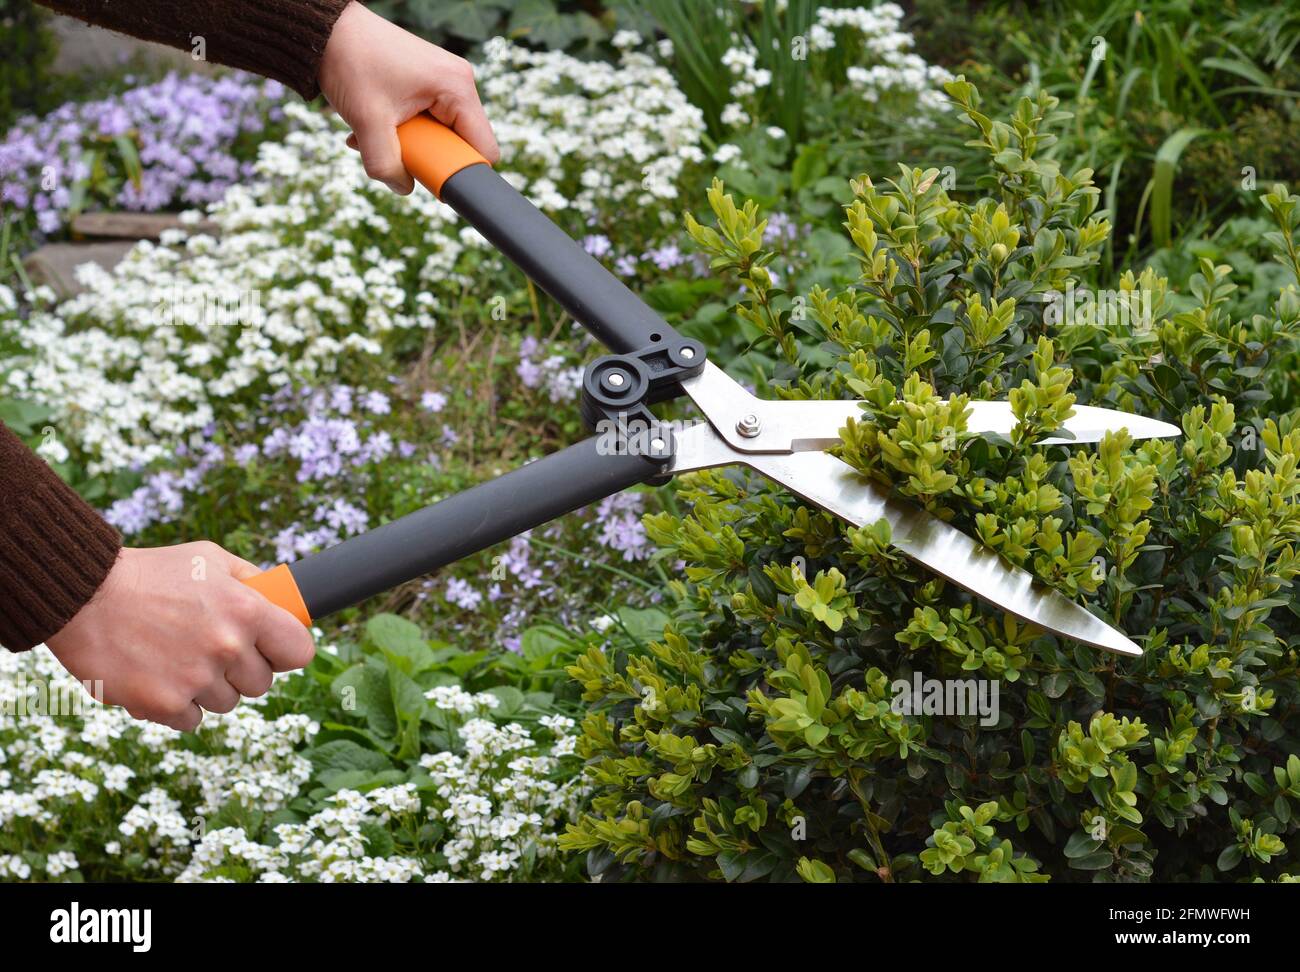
{"type": "Point", "coordinates": [471, 123]}
{"type": "Point", "coordinates": [249, 676]}
{"type": "Point", "coordinates": [218, 697]}
{"type": "Point", "coordinates": [281, 639]}
{"type": "Point", "coordinates": [178, 715]}
{"type": "Point", "coordinates": [457, 106]}
{"type": "Point", "coordinates": [381, 154]}
{"type": "Point", "coordinates": [187, 720]}
{"type": "Point", "coordinates": [282, 643]}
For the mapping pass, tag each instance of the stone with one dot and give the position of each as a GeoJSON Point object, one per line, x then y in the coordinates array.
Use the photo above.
{"type": "Point", "coordinates": [55, 264]}
{"type": "Point", "coordinates": [133, 226]}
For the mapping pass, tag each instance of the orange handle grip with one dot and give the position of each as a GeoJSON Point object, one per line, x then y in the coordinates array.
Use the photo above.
{"type": "Point", "coordinates": [433, 153]}
{"type": "Point", "coordinates": [278, 586]}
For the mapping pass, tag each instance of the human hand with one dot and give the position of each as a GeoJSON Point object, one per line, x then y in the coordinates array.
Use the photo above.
{"type": "Point", "coordinates": [378, 76]}
{"type": "Point", "coordinates": [172, 632]}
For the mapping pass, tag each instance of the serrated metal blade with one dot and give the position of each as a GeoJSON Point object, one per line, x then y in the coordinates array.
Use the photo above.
{"type": "Point", "coordinates": [836, 487]}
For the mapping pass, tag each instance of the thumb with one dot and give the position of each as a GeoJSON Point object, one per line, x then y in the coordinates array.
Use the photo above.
{"type": "Point", "coordinates": [381, 154]}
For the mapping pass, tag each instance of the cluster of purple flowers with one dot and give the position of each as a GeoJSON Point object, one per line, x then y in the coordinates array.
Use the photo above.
{"type": "Point", "coordinates": [618, 519]}
{"type": "Point", "coordinates": [184, 127]}
{"type": "Point", "coordinates": [561, 381]}
{"type": "Point", "coordinates": [333, 436]}
{"type": "Point", "coordinates": [667, 256]}
{"type": "Point", "coordinates": [162, 496]}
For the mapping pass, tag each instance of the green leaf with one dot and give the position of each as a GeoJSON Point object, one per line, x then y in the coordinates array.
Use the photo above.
{"type": "Point", "coordinates": [1093, 862]}
{"type": "Point", "coordinates": [401, 639]}
{"type": "Point", "coordinates": [1229, 859]}
{"type": "Point", "coordinates": [364, 692]}
{"type": "Point", "coordinates": [1163, 181]}
{"type": "Point", "coordinates": [810, 164]}
{"type": "Point", "coordinates": [344, 754]}
{"type": "Point", "coordinates": [1081, 844]}
{"type": "Point", "coordinates": [540, 22]}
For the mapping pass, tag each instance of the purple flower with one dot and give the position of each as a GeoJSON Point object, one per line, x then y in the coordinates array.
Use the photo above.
{"type": "Point", "coordinates": [114, 121]}
{"type": "Point", "coordinates": [666, 257]}
{"type": "Point", "coordinates": [341, 399]}
{"type": "Point", "coordinates": [460, 593]}
{"type": "Point", "coordinates": [619, 519]}
{"type": "Point", "coordinates": [529, 372]}
{"type": "Point", "coordinates": [597, 245]}
{"type": "Point", "coordinates": [376, 403]}
{"type": "Point", "coordinates": [780, 227]}
{"type": "Point", "coordinates": [343, 517]}
{"type": "Point", "coordinates": [432, 401]}
{"type": "Point", "coordinates": [135, 513]}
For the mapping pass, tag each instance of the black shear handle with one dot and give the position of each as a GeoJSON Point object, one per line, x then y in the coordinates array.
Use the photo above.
{"type": "Point", "coordinates": [456, 527]}
{"type": "Point", "coordinates": [441, 160]}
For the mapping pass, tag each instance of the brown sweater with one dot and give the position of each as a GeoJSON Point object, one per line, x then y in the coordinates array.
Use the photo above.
{"type": "Point", "coordinates": [55, 550]}
{"type": "Point", "coordinates": [281, 39]}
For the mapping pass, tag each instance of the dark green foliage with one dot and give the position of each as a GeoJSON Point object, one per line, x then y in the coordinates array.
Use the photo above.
{"type": "Point", "coordinates": [459, 24]}
{"type": "Point", "coordinates": [28, 48]}
{"type": "Point", "coordinates": [760, 739]}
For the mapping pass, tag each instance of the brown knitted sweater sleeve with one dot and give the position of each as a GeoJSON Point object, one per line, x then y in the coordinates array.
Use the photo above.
{"type": "Point", "coordinates": [55, 550]}
{"type": "Point", "coordinates": [280, 39]}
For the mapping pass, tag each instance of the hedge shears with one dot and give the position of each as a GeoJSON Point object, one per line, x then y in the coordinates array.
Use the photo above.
{"type": "Point", "coordinates": [650, 362]}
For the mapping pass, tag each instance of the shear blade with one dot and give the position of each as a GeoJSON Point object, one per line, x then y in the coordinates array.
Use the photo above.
{"type": "Point", "coordinates": [1089, 423]}
{"type": "Point", "coordinates": [836, 487]}
{"type": "Point", "coordinates": [799, 425]}
{"type": "Point", "coordinates": [814, 425]}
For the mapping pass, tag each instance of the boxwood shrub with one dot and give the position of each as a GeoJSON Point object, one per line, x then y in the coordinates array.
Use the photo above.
{"type": "Point", "coordinates": [761, 738]}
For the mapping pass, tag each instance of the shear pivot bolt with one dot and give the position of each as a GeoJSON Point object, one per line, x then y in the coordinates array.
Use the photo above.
{"type": "Point", "coordinates": [616, 380]}
{"type": "Point", "coordinates": [749, 426]}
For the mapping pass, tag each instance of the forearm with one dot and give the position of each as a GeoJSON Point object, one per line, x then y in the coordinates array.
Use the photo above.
{"type": "Point", "coordinates": [280, 39]}
{"type": "Point", "coordinates": [55, 550]}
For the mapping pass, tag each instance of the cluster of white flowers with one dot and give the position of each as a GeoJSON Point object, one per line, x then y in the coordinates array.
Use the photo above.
{"type": "Point", "coordinates": [330, 847]}
{"type": "Point", "coordinates": [142, 789]}
{"type": "Point", "coordinates": [896, 68]}
{"type": "Point", "coordinates": [295, 254]}
{"type": "Point", "coordinates": [624, 132]}
{"type": "Point", "coordinates": [890, 67]}
{"type": "Point", "coordinates": [149, 788]}
{"type": "Point", "coordinates": [496, 804]}
{"type": "Point", "coordinates": [499, 800]}
{"type": "Point", "coordinates": [314, 263]}
{"type": "Point", "coordinates": [453, 698]}
{"type": "Point", "coordinates": [742, 62]}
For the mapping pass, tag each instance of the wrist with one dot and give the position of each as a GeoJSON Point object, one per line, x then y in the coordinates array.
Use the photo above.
{"type": "Point", "coordinates": [339, 47]}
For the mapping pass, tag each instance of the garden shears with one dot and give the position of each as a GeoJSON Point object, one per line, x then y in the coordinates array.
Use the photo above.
{"type": "Point", "coordinates": [650, 362]}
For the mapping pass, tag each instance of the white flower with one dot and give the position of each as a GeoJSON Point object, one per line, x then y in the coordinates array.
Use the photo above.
{"type": "Point", "coordinates": [726, 153]}
{"type": "Point", "coordinates": [733, 115]}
